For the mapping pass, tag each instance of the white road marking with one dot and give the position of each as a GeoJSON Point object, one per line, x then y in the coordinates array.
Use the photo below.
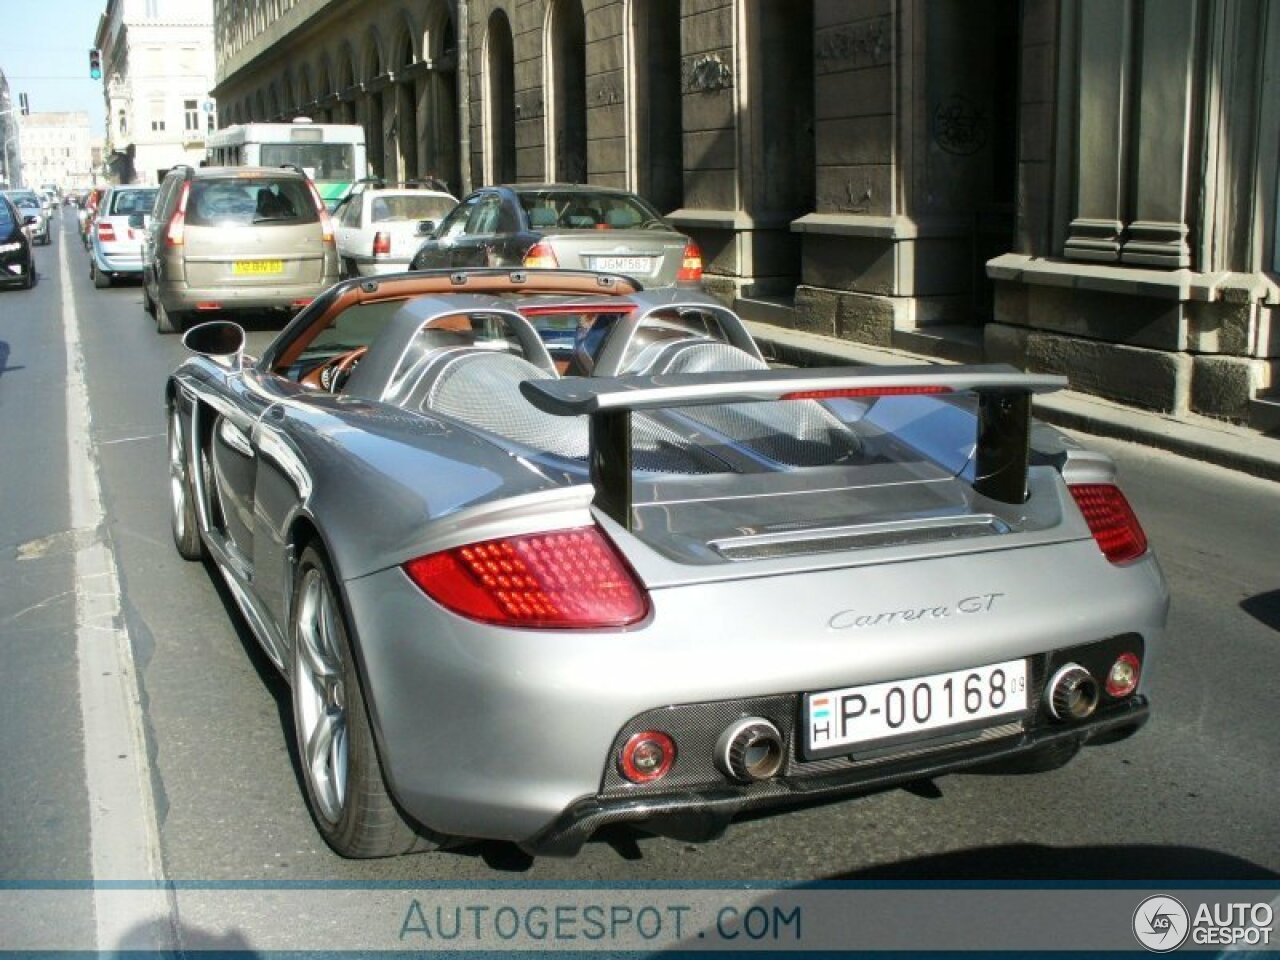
{"type": "Point", "coordinates": [124, 835]}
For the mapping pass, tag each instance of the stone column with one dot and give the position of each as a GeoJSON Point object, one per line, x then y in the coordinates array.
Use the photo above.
{"type": "Point", "coordinates": [1158, 233]}
{"type": "Point", "coordinates": [1101, 151]}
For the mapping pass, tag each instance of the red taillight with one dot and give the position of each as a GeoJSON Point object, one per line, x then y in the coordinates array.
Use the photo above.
{"type": "Point", "coordinates": [647, 756]}
{"type": "Point", "coordinates": [864, 392]}
{"type": "Point", "coordinates": [106, 232]}
{"type": "Point", "coordinates": [175, 232]}
{"type": "Point", "coordinates": [690, 264]}
{"type": "Point", "coordinates": [1122, 678]}
{"type": "Point", "coordinates": [1111, 521]}
{"type": "Point", "coordinates": [541, 255]}
{"type": "Point", "coordinates": [208, 305]}
{"type": "Point", "coordinates": [564, 579]}
{"type": "Point", "coordinates": [382, 244]}
{"type": "Point", "coordinates": [326, 224]}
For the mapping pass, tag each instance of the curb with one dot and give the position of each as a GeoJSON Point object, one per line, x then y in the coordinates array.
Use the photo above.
{"type": "Point", "coordinates": [1197, 438]}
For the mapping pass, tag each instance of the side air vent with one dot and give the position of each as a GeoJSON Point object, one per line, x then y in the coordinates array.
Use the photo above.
{"type": "Point", "coordinates": [792, 543]}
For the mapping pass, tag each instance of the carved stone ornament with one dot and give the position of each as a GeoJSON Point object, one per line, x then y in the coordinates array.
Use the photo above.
{"type": "Point", "coordinates": [707, 74]}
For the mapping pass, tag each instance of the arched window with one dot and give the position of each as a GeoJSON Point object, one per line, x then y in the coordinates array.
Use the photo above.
{"type": "Point", "coordinates": [566, 85]}
{"type": "Point", "coordinates": [499, 101]}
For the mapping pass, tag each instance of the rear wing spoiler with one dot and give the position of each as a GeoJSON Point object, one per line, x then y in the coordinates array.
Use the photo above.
{"type": "Point", "coordinates": [1004, 412]}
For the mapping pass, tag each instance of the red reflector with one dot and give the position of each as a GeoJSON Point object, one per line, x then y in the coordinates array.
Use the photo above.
{"type": "Point", "coordinates": [647, 756]}
{"type": "Point", "coordinates": [1122, 678]}
{"type": "Point", "coordinates": [304, 302]}
{"type": "Point", "coordinates": [864, 392]}
{"type": "Point", "coordinates": [1111, 521]}
{"type": "Point", "coordinates": [565, 579]}
{"type": "Point", "coordinates": [690, 264]}
{"type": "Point", "coordinates": [208, 305]}
{"type": "Point", "coordinates": [382, 244]}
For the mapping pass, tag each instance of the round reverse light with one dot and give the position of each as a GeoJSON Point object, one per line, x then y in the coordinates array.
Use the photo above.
{"type": "Point", "coordinates": [1122, 678]}
{"type": "Point", "coordinates": [647, 756]}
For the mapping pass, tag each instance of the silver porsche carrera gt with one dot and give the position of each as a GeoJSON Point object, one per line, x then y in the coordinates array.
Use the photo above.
{"type": "Point", "coordinates": [540, 552]}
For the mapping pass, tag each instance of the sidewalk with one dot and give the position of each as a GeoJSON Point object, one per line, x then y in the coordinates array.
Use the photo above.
{"type": "Point", "coordinates": [1199, 438]}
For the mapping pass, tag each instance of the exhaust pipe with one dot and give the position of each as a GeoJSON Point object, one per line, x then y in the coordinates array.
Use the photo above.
{"type": "Point", "coordinates": [750, 749]}
{"type": "Point", "coordinates": [1073, 693]}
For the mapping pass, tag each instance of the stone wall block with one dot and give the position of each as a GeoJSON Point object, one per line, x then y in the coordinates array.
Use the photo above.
{"type": "Point", "coordinates": [1117, 318]}
{"type": "Point", "coordinates": [1005, 344]}
{"type": "Point", "coordinates": [1150, 379]}
{"type": "Point", "coordinates": [816, 310]}
{"type": "Point", "coordinates": [1223, 386]}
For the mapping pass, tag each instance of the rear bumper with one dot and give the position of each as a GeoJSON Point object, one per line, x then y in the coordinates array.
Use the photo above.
{"type": "Point", "coordinates": [182, 298]}
{"type": "Point", "coordinates": [703, 815]}
{"type": "Point", "coordinates": [117, 261]}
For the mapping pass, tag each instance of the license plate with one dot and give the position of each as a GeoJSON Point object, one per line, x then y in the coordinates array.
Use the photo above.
{"type": "Point", "coordinates": [624, 264]}
{"type": "Point", "coordinates": [257, 266]}
{"type": "Point", "coordinates": [879, 713]}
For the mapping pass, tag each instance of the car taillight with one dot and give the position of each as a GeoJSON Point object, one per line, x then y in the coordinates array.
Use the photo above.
{"type": "Point", "coordinates": [106, 232]}
{"type": "Point", "coordinates": [1111, 521]}
{"type": "Point", "coordinates": [176, 230]}
{"type": "Point", "coordinates": [382, 244]}
{"type": "Point", "coordinates": [570, 579]}
{"type": "Point", "coordinates": [855, 392]}
{"type": "Point", "coordinates": [1122, 678]}
{"type": "Point", "coordinates": [690, 263]}
{"type": "Point", "coordinates": [541, 255]}
{"type": "Point", "coordinates": [326, 224]}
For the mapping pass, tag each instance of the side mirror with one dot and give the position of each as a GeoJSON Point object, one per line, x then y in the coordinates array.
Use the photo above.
{"type": "Point", "coordinates": [220, 340]}
{"type": "Point", "coordinates": [426, 228]}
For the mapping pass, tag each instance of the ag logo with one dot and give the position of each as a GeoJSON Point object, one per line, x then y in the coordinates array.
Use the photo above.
{"type": "Point", "coordinates": [1161, 923]}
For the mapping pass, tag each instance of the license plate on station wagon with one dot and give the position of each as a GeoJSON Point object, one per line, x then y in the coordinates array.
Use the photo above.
{"type": "Point", "coordinates": [842, 721]}
{"type": "Point", "coordinates": [257, 266]}
{"type": "Point", "coordinates": [623, 264]}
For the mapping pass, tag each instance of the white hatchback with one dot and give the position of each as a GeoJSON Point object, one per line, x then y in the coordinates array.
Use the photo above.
{"type": "Point", "coordinates": [380, 229]}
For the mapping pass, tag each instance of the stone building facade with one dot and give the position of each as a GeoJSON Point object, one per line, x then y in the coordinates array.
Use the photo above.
{"type": "Point", "coordinates": [56, 149]}
{"type": "Point", "coordinates": [1079, 186]}
{"type": "Point", "coordinates": [157, 69]}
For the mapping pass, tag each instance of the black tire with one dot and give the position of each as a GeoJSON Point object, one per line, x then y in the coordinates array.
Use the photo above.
{"type": "Point", "coordinates": [182, 495]}
{"type": "Point", "coordinates": [167, 322]}
{"type": "Point", "coordinates": [357, 819]}
{"type": "Point", "coordinates": [29, 280]}
{"type": "Point", "coordinates": [100, 280]}
{"type": "Point", "coordinates": [148, 305]}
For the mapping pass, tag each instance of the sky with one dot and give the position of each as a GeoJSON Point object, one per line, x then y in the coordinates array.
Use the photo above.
{"type": "Point", "coordinates": [44, 53]}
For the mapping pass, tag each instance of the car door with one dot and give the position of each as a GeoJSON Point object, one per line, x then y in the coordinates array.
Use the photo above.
{"type": "Point", "coordinates": [439, 250]}
{"type": "Point", "coordinates": [476, 245]}
{"type": "Point", "coordinates": [347, 215]}
{"type": "Point", "coordinates": [234, 469]}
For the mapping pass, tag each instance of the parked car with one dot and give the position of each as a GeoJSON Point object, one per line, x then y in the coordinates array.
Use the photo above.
{"type": "Point", "coordinates": [17, 264]}
{"type": "Point", "coordinates": [115, 246]}
{"type": "Point", "coordinates": [30, 205]}
{"type": "Point", "coordinates": [566, 226]}
{"type": "Point", "coordinates": [521, 607]}
{"type": "Point", "coordinates": [234, 239]}
{"type": "Point", "coordinates": [381, 228]}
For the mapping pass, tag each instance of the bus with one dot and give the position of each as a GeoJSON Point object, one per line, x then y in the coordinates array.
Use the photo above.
{"type": "Point", "coordinates": [331, 154]}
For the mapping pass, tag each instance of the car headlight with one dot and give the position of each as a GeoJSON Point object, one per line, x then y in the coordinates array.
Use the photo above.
{"type": "Point", "coordinates": [9, 247]}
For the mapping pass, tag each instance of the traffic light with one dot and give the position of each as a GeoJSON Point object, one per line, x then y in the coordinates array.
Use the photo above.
{"type": "Point", "coordinates": [95, 63]}
{"type": "Point", "coordinates": [23, 105]}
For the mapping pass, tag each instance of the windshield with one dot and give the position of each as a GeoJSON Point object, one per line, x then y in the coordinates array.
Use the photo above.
{"type": "Point", "coordinates": [333, 162]}
{"type": "Point", "coordinates": [132, 201]}
{"type": "Point", "coordinates": [409, 207]}
{"type": "Point", "coordinates": [586, 210]}
{"type": "Point", "coordinates": [246, 201]}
